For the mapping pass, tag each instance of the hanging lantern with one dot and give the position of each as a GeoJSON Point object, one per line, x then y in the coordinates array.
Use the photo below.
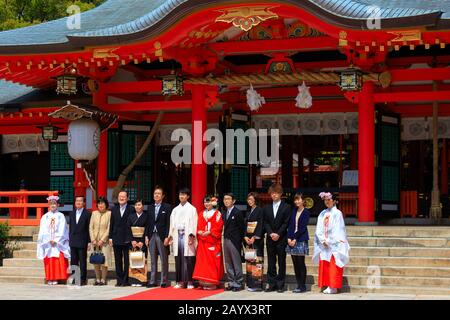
{"type": "Point", "coordinates": [351, 80]}
{"type": "Point", "coordinates": [50, 132]}
{"type": "Point", "coordinates": [83, 139]}
{"type": "Point", "coordinates": [67, 83]}
{"type": "Point", "coordinates": [172, 85]}
{"type": "Point", "coordinates": [254, 99]}
{"type": "Point", "coordinates": [304, 98]}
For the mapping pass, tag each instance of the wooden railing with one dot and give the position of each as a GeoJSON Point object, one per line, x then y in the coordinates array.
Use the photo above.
{"type": "Point", "coordinates": [18, 206]}
{"type": "Point", "coordinates": [408, 203]}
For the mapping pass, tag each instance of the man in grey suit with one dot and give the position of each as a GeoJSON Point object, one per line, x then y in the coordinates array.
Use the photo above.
{"type": "Point", "coordinates": [157, 233]}
{"type": "Point", "coordinates": [234, 231]}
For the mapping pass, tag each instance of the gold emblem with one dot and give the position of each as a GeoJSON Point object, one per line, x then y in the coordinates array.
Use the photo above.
{"type": "Point", "coordinates": [246, 18]}
{"type": "Point", "coordinates": [309, 203]}
{"type": "Point", "coordinates": [406, 35]}
{"type": "Point", "coordinates": [105, 53]}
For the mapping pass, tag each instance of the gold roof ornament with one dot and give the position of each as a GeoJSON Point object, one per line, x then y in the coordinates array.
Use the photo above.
{"type": "Point", "coordinates": [246, 18]}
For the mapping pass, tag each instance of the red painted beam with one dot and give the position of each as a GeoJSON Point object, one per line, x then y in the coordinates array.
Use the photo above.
{"type": "Point", "coordinates": [420, 74]}
{"type": "Point", "coordinates": [273, 45]}
{"type": "Point", "coordinates": [170, 118]}
{"type": "Point", "coordinates": [412, 96]}
{"type": "Point", "coordinates": [149, 106]}
{"type": "Point", "coordinates": [132, 87]}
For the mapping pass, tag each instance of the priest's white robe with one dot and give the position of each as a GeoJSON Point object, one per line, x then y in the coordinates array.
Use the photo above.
{"type": "Point", "coordinates": [184, 217]}
{"type": "Point", "coordinates": [335, 236]}
{"type": "Point", "coordinates": [54, 227]}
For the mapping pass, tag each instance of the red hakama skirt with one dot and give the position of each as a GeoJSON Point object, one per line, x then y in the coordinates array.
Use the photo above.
{"type": "Point", "coordinates": [330, 275]}
{"type": "Point", "coordinates": [56, 268]}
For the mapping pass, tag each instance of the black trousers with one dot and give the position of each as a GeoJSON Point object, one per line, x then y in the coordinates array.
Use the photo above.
{"type": "Point", "coordinates": [300, 271]}
{"type": "Point", "coordinates": [122, 263]}
{"type": "Point", "coordinates": [78, 257]}
{"type": "Point", "coordinates": [276, 252]}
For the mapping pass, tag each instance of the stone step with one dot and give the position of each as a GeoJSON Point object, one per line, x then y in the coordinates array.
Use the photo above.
{"type": "Point", "coordinates": [352, 231]}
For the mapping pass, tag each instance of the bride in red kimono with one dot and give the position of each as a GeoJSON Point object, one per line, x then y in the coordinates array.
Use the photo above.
{"type": "Point", "coordinates": [209, 266]}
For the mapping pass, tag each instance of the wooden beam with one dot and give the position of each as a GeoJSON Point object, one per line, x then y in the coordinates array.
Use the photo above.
{"type": "Point", "coordinates": [132, 87]}
{"type": "Point", "coordinates": [274, 45]}
{"type": "Point", "coordinates": [420, 96]}
{"type": "Point", "coordinates": [149, 106]}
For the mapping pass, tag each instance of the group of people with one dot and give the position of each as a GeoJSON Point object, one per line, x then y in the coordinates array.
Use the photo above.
{"type": "Point", "coordinates": [205, 244]}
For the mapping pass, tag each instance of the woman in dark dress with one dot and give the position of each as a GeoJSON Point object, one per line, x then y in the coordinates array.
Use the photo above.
{"type": "Point", "coordinates": [254, 241]}
{"type": "Point", "coordinates": [298, 241]}
{"type": "Point", "coordinates": [137, 223]}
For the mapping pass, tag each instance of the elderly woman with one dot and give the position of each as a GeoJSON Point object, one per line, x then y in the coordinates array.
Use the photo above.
{"type": "Point", "coordinates": [99, 233]}
{"type": "Point", "coordinates": [53, 243]}
{"type": "Point", "coordinates": [331, 248]}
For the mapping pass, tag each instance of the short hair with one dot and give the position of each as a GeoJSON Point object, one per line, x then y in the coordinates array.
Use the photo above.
{"type": "Point", "coordinates": [84, 198]}
{"type": "Point", "coordinates": [158, 187]}
{"type": "Point", "coordinates": [298, 195]}
{"type": "Point", "coordinates": [229, 194]}
{"type": "Point", "coordinates": [139, 200]}
{"type": "Point", "coordinates": [121, 191]}
{"type": "Point", "coordinates": [255, 196]}
{"type": "Point", "coordinates": [103, 200]}
{"type": "Point", "coordinates": [184, 191]}
{"type": "Point", "coordinates": [275, 188]}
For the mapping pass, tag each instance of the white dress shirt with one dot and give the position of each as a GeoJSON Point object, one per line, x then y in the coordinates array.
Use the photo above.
{"type": "Point", "coordinates": [275, 206]}
{"type": "Point", "coordinates": [78, 214]}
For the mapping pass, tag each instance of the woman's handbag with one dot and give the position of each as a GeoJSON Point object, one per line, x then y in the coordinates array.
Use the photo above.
{"type": "Point", "coordinates": [137, 259]}
{"type": "Point", "coordinates": [97, 257]}
{"type": "Point", "coordinates": [301, 248]}
{"type": "Point", "coordinates": [250, 254]}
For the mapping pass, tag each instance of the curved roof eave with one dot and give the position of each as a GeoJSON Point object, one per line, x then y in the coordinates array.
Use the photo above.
{"type": "Point", "coordinates": [136, 20]}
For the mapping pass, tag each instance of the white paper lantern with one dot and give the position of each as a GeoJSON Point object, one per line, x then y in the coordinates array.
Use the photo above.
{"type": "Point", "coordinates": [83, 139]}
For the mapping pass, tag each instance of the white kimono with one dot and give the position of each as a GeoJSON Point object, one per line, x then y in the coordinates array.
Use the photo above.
{"type": "Point", "coordinates": [184, 217]}
{"type": "Point", "coordinates": [335, 236]}
{"type": "Point", "coordinates": [53, 227]}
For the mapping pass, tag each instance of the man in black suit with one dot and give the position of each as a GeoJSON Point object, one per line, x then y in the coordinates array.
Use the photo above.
{"type": "Point", "coordinates": [79, 237]}
{"type": "Point", "coordinates": [234, 231]}
{"type": "Point", "coordinates": [157, 234]}
{"type": "Point", "coordinates": [276, 221]}
{"type": "Point", "coordinates": [118, 238]}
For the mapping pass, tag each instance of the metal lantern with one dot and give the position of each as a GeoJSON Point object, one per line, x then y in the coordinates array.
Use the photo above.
{"type": "Point", "coordinates": [50, 132]}
{"type": "Point", "coordinates": [67, 83]}
{"type": "Point", "coordinates": [351, 80]}
{"type": "Point", "coordinates": [172, 85]}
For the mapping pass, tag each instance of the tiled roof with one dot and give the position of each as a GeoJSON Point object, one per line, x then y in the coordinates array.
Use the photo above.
{"type": "Point", "coordinates": [117, 18]}
{"type": "Point", "coordinates": [10, 91]}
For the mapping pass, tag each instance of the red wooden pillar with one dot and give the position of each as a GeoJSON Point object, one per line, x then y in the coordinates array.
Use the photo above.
{"type": "Point", "coordinates": [199, 168]}
{"type": "Point", "coordinates": [80, 184]}
{"type": "Point", "coordinates": [99, 100]}
{"type": "Point", "coordinates": [444, 168]}
{"type": "Point", "coordinates": [366, 154]}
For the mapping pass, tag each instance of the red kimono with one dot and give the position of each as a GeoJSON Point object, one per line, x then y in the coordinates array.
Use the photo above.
{"type": "Point", "coordinates": [209, 264]}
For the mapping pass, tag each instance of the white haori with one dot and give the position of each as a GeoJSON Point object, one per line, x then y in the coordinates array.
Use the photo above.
{"type": "Point", "coordinates": [335, 236]}
{"type": "Point", "coordinates": [184, 218]}
{"type": "Point", "coordinates": [53, 226]}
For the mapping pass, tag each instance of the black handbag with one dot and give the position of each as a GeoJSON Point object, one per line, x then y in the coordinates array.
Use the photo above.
{"type": "Point", "coordinates": [97, 257]}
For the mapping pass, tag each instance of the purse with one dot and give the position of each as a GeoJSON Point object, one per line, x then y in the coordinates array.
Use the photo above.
{"type": "Point", "coordinates": [97, 257]}
{"type": "Point", "coordinates": [250, 254]}
{"type": "Point", "coordinates": [137, 259]}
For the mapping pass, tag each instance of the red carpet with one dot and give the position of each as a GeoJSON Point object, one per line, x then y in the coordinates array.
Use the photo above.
{"type": "Point", "coordinates": [172, 294]}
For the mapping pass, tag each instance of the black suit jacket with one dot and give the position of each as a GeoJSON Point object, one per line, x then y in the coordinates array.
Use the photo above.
{"type": "Point", "coordinates": [119, 225]}
{"type": "Point", "coordinates": [79, 232]}
{"type": "Point", "coordinates": [162, 222]}
{"type": "Point", "coordinates": [278, 225]}
{"type": "Point", "coordinates": [234, 227]}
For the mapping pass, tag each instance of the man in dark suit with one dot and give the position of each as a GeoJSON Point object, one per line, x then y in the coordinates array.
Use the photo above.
{"type": "Point", "coordinates": [118, 238]}
{"type": "Point", "coordinates": [276, 221]}
{"type": "Point", "coordinates": [157, 234]}
{"type": "Point", "coordinates": [234, 231]}
{"type": "Point", "coordinates": [79, 237]}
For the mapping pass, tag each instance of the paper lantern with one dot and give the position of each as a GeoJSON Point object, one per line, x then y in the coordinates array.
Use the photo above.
{"type": "Point", "coordinates": [83, 139]}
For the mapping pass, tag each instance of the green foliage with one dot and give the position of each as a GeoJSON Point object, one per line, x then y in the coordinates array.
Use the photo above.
{"type": "Point", "coordinates": [21, 13]}
{"type": "Point", "coordinates": [4, 233]}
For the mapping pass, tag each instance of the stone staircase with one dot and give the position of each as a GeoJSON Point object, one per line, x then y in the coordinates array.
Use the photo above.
{"type": "Point", "coordinates": [397, 260]}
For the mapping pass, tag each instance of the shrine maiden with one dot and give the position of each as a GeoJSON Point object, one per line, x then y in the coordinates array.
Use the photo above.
{"type": "Point", "coordinates": [331, 248]}
{"type": "Point", "coordinates": [53, 243]}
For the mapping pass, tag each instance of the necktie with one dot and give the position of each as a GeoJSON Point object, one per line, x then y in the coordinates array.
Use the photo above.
{"type": "Point", "coordinates": [228, 214]}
